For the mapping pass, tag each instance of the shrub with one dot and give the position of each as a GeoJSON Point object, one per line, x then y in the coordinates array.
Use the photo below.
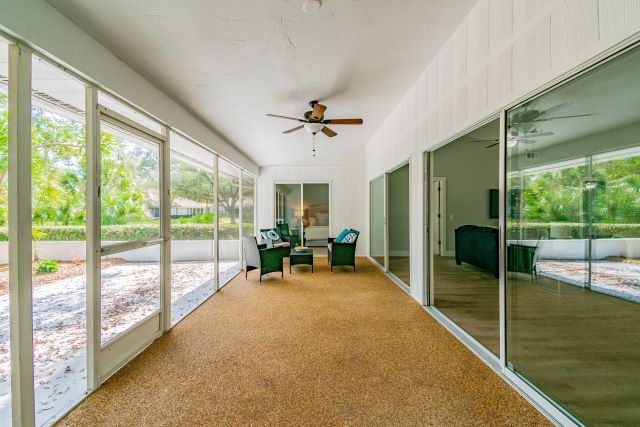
{"type": "Point", "coordinates": [189, 231]}
{"type": "Point", "coordinates": [47, 266]}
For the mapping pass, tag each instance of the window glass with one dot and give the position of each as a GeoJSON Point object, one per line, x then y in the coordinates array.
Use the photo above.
{"type": "Point", "coordinates": [58, 177]}
{"type": "Point", "coordinates": [5, 361]}
{"type": "Point", "coordinates": [192, 226]}
{"type": "Point", "coordinates": [229, 220]}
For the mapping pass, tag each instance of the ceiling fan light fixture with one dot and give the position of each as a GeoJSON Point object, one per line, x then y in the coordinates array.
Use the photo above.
{"type": "Point", "coordinates": [313, 128]}
{"type": "Point", "coordinates": [311, 6]}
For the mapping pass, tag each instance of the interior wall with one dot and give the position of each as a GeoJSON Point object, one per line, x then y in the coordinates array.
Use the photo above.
{"type": "Point", "coordinates": [471, 171]}
{"type": "Point", "coordinates": [39, 25]}
{"type": "Point", "coordinates": [347, 204]}
{"type": "Point", "coordinates": [501, 52]}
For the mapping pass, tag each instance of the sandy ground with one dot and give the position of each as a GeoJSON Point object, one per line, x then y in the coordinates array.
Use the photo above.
{"type": "Point", "coordinates": [130, 293]}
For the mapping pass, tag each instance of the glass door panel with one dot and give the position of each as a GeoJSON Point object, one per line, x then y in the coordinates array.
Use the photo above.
{"type": "Point", "coordinates": [315, 216]}
{"type": "Point", "coordinates": [289, 210]}
{"type": "Point", "coordinates": [572, 255]}
{"type": "Point", "coordinates": [130, 228]}
{"type": "Point", "coordinates": [376, 201]}
{"type": "Point", "coordinates": [192, 226]}
{"type": "Point", "coordinates": [398, 223]}
{"type": "Point", "coordinates": [229, 221]}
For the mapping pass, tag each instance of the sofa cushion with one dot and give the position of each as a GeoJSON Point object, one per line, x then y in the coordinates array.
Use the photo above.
{"type": "Point", "coordinates": [281, 244]}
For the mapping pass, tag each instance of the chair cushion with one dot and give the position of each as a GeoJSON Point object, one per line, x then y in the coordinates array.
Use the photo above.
{"type": "Point", "coordinates": [281, 244]}
{"type": "Point", "coordinates": [330, 245]}
{"type": "Point", "coordinates": [342, 234]}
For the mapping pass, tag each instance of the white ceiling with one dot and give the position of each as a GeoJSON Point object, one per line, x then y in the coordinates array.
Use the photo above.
{"type": "Point", "coordinates": [232, 61]}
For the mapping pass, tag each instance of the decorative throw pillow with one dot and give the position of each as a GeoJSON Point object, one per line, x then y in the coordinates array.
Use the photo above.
{"type": "Point", "coordinates": [349, 238]}
{"type": "Point", "coordinates": [271, 235]}
{"type": "Point", "coordinates": [342, 234]}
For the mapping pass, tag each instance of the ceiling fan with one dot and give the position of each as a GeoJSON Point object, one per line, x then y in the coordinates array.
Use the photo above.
{"type": "Point", "coordinates": [315, 122]}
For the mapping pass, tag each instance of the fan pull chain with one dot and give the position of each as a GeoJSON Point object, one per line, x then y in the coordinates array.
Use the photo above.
{"type": "Point", "coordinates": [314, 145]}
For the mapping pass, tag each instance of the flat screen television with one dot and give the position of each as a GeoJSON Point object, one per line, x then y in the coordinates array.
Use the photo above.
{"type": "Point", "coordinates": [494, 203]}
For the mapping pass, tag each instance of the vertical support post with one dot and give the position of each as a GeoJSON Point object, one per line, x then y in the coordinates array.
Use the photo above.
{"type": "Point", "coordinates": [502, 241]}
{"type": "Point", "coordinates": [386, 224]}
{"type": "Point", "coordinates": [94, 241]}
{"type": "Point", "coordinates": [20, 297]}
{"type": "Point", "coordinates": [216, 222]}
{"type": "Point", "coordinates": [426, 247]}
{"type": "Point", "coordinates": [165, 225]}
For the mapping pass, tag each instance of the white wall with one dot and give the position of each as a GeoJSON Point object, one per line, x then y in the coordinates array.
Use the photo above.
{"type": "Point", "coordinates": [42, 27]}
{"type": "Point", "coordinates": [502, 51]}
{"type": "Point", "coordinates": [347, 203]}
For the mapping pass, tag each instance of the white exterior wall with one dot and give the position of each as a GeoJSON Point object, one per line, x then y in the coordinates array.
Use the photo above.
{"type": "Point", "coordinates": [502, 52]}
{"type": "Point", "coordinates": [347, 200]}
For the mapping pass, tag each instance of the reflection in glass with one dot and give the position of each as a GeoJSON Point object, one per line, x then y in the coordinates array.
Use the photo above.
{"type": "Point", "coordinates": [398, 217]}
{"type": "Point", "coordinates": [192, 226]}
{"type": "Point", "coordinates": [376, 209]}
{"type": "Point", "coordinates": [288, 211]}
{"type": "Point", "coordinates": [465, 224]}
{"type": "Point", "coordinates": [59, 222]}
{"type": "Point", "coordinates": [315, 215]}
{"type": "Point", "coordinates": [130, 289]}
{"type": "Point", "coordinates": [229, 219]}
{"type": "Point", "coordinates": [573, 215]}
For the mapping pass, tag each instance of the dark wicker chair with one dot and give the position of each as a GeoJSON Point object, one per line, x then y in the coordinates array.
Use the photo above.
{"type": "Point", "coordinates": [342, 253]}
{"type": "Point", "coordinates": [260, 257]}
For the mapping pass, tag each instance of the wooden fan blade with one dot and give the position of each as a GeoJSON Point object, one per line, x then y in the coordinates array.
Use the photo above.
{"type": "Point", "coordinates": [285, 117]}
{"type": "Point", "coordinates": [328, 132]}
{"type": "Point", "coordinates": [294, 129]}
{"type": "Point", "coordinates": [343, 122]}
{"type": "Point", "coordinates": [492, 145]}
{"type": "Point", "coordinates": [485, 140]}
{"type": "Point", "coordinates": [318, 111]}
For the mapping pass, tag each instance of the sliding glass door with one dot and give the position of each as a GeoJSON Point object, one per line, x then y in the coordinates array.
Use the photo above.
{"type": "Point", "coordinates": [573, 252]}
{"type": "Point", "coordinates": [229, 221]}
{"type": "Point", "coordinates": [389, 203]}
{"type": "Point", "coordinates": [398, 235]}
{"type": "Point", "coordinates": [302, 212]}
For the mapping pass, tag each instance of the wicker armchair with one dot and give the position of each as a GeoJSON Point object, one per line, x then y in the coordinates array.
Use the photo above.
{"type": "Point", "coordinates": [342, 253]}
{"type": "Point", "coordinates": [260, 257]}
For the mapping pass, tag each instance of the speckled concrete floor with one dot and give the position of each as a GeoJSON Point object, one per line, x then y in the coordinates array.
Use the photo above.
{"type": "Point", "coordinates": [338, 348]}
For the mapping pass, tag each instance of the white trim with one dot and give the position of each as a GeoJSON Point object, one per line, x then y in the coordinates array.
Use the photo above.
{"type": "Point", "coordinates": [93, 238]}
{"type": "Point", "coordinates": [20, 299]}
{"type": "Point", "coordinates": [165, 227]}
{"type": "Point", "coordinates": [216, 224]}
{"type": "Point", "coordinates": [121, 121]}
{"type": "Point", "coordinates": [502, 240]}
